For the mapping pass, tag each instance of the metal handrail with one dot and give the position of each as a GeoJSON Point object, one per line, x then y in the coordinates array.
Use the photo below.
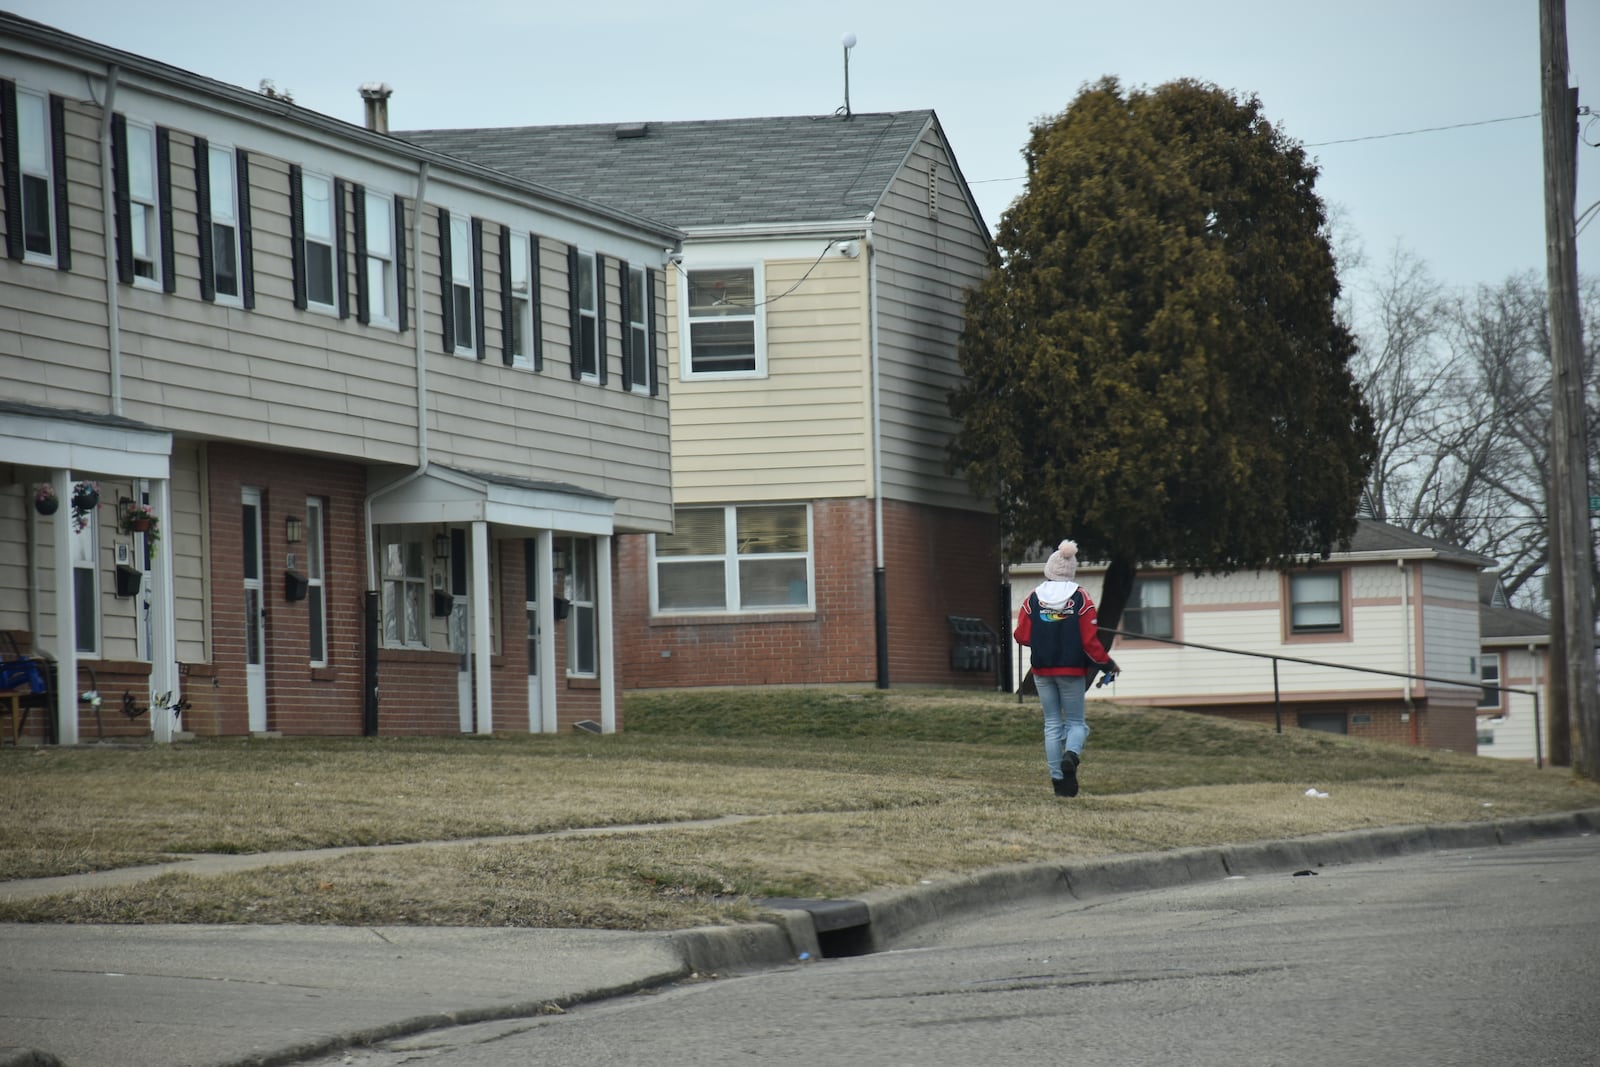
{"type": "Point", "coordinates": [1277, 704]}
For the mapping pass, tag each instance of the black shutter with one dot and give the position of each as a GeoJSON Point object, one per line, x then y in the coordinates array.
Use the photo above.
{"type": "Point", "coordinates": [341, 246]}
{"type": "Point", "coordinates": [358, 199]}
{"type": "Point", "coordinates": [169, 254]}
{"type": "Point", "coordinates": [650, 328]}
{"type": "Point", "coordinates": [447, 282]}
{"type": "Point", "coordinates": [11, 167]}
{"type": "Point", "coordinates": [535, 291]}
{"type": "Point", "coordinates": [572, 307]}
{"type": "Point", "coordinates": [480, 336]}
{"type": "Point", "coordinates": [297, 233]}
{"type": "Point", "coordinates": [121, 198]}
{"type": "Point", "coordinates": [508, 323]}
{"type": "Point", "coordinates": [402, 314]}
{"type": "Point", "coordinates": [247, 267]}
{"type": "Point", "coordinates": [202, 215]}
{"type": "Point", "coordinates": [625, 313]}
{"type": "Point", "coordinates": [58, 180]}
{"type": "Point", "coordinates": [600, 314]}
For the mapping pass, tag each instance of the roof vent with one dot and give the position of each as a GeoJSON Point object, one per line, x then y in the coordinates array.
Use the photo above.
{"type": "Point", "coordinates": [629, 130]}
{"type": "Point", "coordinates": [376, 97]}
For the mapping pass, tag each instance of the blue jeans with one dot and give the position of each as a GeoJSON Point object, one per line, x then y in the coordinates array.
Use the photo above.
{"type": "Point", "coordinates": [1061, 696]}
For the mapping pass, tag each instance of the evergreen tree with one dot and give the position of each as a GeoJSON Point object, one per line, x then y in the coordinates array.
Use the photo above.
{"type": "Point", "coordinates": [1154, 365]}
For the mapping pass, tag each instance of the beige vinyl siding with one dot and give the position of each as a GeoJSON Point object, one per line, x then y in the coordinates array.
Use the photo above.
{"type": "Point", "coordinates": [544, 425]}
{"type": "Point", "coordinates": [16, 506]}
{"type": "Point", "coordinates": [184, 549]}
{"type": "Point", "coordinates": [926, 263]}
{"type": "Point", "coordinates": [801, 432]}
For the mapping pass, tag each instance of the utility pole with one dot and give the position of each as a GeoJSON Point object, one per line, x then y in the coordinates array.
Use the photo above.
{"type": "Point", "coordinates": [1569, 464]}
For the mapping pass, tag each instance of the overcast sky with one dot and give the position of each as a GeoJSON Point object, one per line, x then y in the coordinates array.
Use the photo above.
{"type": "Point", "coordinates": [1338, 77]}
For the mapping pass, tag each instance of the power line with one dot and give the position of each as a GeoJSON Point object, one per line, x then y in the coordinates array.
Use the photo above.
{"type": "Point", "coordinates": [1425, 129]}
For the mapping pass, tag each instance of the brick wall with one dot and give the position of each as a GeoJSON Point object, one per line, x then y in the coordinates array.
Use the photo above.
{"type": "Point", "coordinates": [1428, 724]}
{"type": "Point", "coordinates": [301, 700]}
{"type": "Point", "coordinates": [937, 563]}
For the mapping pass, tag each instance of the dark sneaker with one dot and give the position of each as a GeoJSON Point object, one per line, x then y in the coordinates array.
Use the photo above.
{"type": "Point", "coordinates": [1060, 786]}
{"type": "Point", "coordinates": [1067, 785]}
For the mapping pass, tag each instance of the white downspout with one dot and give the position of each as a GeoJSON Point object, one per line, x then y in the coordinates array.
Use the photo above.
{"type": "Point", "coordinates": [422, 380]}
{"type": "Point", "coordinates": [108, 221]}
{"type": "Point", "coordinates": [1405, 620]}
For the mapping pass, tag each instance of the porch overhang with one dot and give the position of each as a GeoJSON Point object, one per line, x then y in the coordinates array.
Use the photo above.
{"type": "Point", "coordinates": [83, 442]}
{"type": "Point", "coordinates": [447, 495]}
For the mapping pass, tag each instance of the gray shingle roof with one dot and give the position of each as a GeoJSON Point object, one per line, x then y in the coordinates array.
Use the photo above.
{"type": "Point", "coordinates": [711, 172]}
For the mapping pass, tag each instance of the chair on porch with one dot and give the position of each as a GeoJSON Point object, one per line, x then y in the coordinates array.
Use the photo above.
{"type": "Point", "coordinates": [25, 684]}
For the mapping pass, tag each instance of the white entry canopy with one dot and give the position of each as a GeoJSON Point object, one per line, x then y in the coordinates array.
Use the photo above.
{"type": "Point", "coordinates": [447, 495]}
{"type": "Point", "coordinates": [82, 441]}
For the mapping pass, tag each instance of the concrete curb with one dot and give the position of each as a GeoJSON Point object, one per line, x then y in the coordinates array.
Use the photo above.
{"type": "Point", "coordinates": [895, 913]}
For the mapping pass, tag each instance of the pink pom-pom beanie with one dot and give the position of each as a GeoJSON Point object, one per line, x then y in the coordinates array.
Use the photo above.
{"type": "Point", "coordinates": [1062, 566]}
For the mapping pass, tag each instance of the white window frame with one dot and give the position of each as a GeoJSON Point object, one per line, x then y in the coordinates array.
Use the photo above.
{"type": "Point", "coordinates": [86, 583]}
{"type": "Point", "coordinates": [757, 317]}
{"type": "Point", "coordinates": [641, 346]}
{"type": "Point", "coordinates": [587, 350]}
{"type": "Point", "coordinates": [524, 291]}
{"type": "Point", "coordinates": [316, 580]}
{"type": "Point", "coordinates": [144, 203]}
{"type": "Point", "coordinates": [225, 216]}
{"type": "Point", "coordinates": [1300, 586]}
{"type": "Point", "coordinates": [1136, 607]}
{"type": "Point", "coordinates": [382, 298]}
{"type": "Point", "coordinates": [730, 558]}
{"type": "Point", "coordinates": [581, 587]}
{"type": "Point", "coordinates": [461, 285]}
{"type": "Point", "coordinates": [36, 161]}
{"type": "Point", "coordinates": [1489, 672]}
{"type": "Point", "coordinates": [397, 543]}
{"type": "Point", "coordinates": [320, 214]}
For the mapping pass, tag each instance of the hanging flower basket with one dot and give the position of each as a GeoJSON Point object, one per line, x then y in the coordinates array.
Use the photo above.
{"type": "Point", "coordinates": [85, 498]}
{"type": "Point", "coordinates": [45, 501]}
{"type": "Point", "coordinates": [141, 519]}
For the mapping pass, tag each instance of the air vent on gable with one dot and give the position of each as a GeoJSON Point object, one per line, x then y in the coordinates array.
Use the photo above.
{"type": "Point", "coordinates": [628, 131]}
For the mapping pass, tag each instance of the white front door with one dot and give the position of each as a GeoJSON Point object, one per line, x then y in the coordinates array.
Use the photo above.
{"type": "Point", "coordinates": [255, 613]}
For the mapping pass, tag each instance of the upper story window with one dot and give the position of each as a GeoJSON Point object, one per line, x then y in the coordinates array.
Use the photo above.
{"type": "Point", "coordinates": [1149, 610]}
{"type": "Point", "coordinates": [518, 297]}
{"type": "Point", "coordinates": [222, 234]}
{"type": "Point", "coordinates": [586, 322]}
{"type": "Point", "coordinates": [724, 324]}
{"type": "Point", "coordinates": [1316, 603]}
{"type": "Point", "coordinates": [461, 301]}
{"type": "Point", "coordinates": [37, 178]}
{"type": "Point", "coordinates": [376, 296]}
{"type": "Point", "coordinates": [636, 351]}
{"type": "Point", "coordinates": [461, 283]}
{"type": "Point", "coordinates": [754, 557]}
{"type": "Point", "coordinates": [141, 188]}
{"type": "Point", "coordinates": [316, 234]}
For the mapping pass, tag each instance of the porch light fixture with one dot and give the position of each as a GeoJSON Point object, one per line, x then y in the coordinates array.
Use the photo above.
{"type": "Point", "coordinates": [441, 547]}
{"type": "Point", "coordinates": [294, 529]}
{"type": "Point", "coordinates": [558, 558]}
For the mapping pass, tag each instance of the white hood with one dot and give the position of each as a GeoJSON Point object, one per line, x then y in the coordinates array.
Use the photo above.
{"type": "Point", "coordinates": [1055, 594]}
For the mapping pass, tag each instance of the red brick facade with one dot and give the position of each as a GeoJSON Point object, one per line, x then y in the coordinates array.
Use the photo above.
{"type": "Point", "coordinates": [1426, 723]}
{"type": "Point", "coordinates": [937, 563]}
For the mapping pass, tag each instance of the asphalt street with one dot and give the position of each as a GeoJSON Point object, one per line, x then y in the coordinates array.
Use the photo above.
{"type": "Point", "coordinates": [166, 996]}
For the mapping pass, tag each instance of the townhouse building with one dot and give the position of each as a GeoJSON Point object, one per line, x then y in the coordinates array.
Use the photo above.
{"type": "Point", "coordinates": [305, 429]}
{"type": "Point", "coordinates": [813, 318]}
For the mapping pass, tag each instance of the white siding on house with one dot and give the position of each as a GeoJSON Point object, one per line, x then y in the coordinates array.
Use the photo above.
{"type": "Point", "coordinates": [1450, 629]}
{"type": "Point", "coordinates": [1510, 733]}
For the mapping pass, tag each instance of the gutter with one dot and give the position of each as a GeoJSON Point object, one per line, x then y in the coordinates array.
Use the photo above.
{"type": "Point", "coordinates": [880, 581]}
{"type": "Point", "coordinates": [108, 225]}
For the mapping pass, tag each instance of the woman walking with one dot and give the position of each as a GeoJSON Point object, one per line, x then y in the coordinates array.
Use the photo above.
{"type": "Point", "coordinates": [1058, 623]}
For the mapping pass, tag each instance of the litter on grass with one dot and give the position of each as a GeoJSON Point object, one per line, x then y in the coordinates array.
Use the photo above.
{"type": "Point", "coordinates": [1312, 792]}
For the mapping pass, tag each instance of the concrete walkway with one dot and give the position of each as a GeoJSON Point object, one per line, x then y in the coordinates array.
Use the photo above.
{"type": "Point", "coordinates": [159, 996]}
